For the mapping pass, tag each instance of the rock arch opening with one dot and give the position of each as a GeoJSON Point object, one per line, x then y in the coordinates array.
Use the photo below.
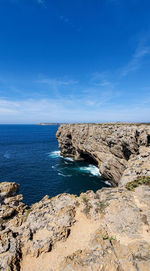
{"type": "Point", "coordinates": [88, 158]}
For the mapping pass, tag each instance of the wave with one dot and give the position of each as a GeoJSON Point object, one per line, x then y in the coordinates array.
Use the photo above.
{"type": "Point", "coordinates": [55, 166]}
{"type": "Point", "coordinates": [68, 159]}
{"type": "Point", "coordinates": [54, 154]}
{"type": "Point", "coordinates": [90, 169]}
{"type": "Point", "coordinates": [64, 175]}
{"type": "Point", "coordinates": [106, 182]}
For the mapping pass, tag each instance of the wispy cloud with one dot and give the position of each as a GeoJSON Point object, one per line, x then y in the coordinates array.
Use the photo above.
{"type": "Point", "coordinates": [56, 82]}
{"type": "Point", "coordinates": [101, 79]}
{"type": "Point", "coordinates": [136, 60]}
{"type": "Point", "coordinates": [57, 85]}
{"type": "Point", "coordinates": [66, 110]}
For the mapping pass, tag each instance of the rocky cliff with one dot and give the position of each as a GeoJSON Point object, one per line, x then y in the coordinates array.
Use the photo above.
{"type": "Point", "coordinates": [104, 231]}
{"type": "Point", "coordinates": [121, 151]}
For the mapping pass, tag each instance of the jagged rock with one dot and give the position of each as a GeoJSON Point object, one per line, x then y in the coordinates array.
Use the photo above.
{"type": "Point", "coordinates": [120, 150]}
{"type": "Point", "coordinates": [8, 189]}
{"type": "Point", "coordinates": [108, 230]}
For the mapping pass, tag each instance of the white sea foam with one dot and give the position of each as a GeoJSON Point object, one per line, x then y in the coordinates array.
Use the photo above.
{"type": "Point", "coordinates": [69, 159]}
{"type": "Point", "coordinates": [64, 175]}
{"type": "Point", "coordinates": [54, 154]}
{"type": "Point", "coordinates": [106, 182]}
{"type": "Point", "coordinates": [90, 169]}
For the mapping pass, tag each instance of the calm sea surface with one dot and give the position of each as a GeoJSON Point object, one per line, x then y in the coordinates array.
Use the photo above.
{"type": "Point", "coordinates": [29, 155]}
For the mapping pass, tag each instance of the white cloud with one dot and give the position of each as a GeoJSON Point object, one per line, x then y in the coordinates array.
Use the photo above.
{"type": "Point", "coordinates": [67, 110]}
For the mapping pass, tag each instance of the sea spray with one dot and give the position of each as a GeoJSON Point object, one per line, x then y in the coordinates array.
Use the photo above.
{"type": "Point", "coordinates": [93, 170]}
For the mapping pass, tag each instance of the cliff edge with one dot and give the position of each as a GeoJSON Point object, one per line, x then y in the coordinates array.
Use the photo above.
{"type": "Point", "coordinates": [104, 231]}
{"type": "Point", "coordinates": [108, 231]}
{"type": "Point", "coordinates": [121, 151]}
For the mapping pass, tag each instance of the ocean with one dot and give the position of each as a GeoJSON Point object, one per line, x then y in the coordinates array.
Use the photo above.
{"type": "Point", "coordinates": [30, 156]}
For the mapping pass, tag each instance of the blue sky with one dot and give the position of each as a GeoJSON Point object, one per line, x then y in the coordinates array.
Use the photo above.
{"type": "Point", "coordinates": [74, 60]}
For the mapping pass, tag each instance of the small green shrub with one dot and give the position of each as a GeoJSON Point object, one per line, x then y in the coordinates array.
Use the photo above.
{"type": "Point", "coordinates": [139, 181]}
{"type": "Point", "coordinates": [110, 238]}
{"type": "Point", "coordinates": [85, 200]}
{"type": "Point", "coordinates": [105, 236]}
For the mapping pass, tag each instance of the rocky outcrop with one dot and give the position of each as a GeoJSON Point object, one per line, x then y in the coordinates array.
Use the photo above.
{"type": "Point", "coordinates": [121, 151]}
{"type": "Point", "coordinates": [108, 230]}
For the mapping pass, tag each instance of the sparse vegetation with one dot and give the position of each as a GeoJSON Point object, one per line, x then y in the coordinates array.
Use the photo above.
{"type": "Point", "coordinates": [27, 213]}
{"type": "Point", "coordinates": [88, 206]}
{"type": "Point", "coordinates": [139, 181]}
{"type": "Point", "coordinates": [100, 206]}
{"type": "Point", "coordinates": [85, 200]}
{"type": "Point", "coordinates": [105, 236]}
{"type": "Point", "coordinates": [110, 238]}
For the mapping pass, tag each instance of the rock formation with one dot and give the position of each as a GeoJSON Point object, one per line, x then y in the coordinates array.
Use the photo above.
{"type": "Point", "coordinates": [121, 151]}
{"type": "Point", "coordinates": [104, 231]}
{"type": "Point", "coordinates": [108, 230]}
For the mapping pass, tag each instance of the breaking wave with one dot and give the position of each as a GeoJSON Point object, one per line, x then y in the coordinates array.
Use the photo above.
{"type": "Point", "coordinates": [93, 170]}
{"type": "Point", "coordinates": [54, 154]}
{"type": "Point", "coordinates": [69, 159]}
{"type": "Point", "coordinates": [106, 182]}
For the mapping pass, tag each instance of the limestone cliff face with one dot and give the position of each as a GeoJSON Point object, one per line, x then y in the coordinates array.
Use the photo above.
{"type": "Point", "coordinates": [122, 151]}
{"type": "Point", "coordinates": [108, 231]}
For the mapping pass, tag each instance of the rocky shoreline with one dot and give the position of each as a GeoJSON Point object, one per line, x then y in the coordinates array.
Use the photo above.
{"type": "Point", "coordinates": [121, 151]}
{"type": "Point", "coordinates": [108, 230]}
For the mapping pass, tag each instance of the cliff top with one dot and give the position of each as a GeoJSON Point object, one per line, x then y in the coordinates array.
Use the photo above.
{"type": "Point", "coordinates": [108, 230]}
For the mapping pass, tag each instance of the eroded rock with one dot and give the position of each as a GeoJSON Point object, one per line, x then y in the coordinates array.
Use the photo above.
{"type": "Point", "coordinates": [120, 150]}
{"type": "Point", "coordinates": [106, 230]}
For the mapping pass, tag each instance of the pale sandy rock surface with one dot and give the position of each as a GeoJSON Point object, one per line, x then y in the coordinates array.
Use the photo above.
{"type": "Point", "coordinates": [106, 230]}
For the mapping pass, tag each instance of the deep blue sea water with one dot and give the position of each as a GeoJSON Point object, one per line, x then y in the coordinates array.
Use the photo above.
{"type": "Point", "coordinates": [29, 155]}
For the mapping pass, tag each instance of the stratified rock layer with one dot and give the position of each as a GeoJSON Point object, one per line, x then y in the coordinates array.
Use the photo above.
{"type": "Point", "coordinates": [104, 231]}
{"type": "Point", "coordinates": [122, 151]}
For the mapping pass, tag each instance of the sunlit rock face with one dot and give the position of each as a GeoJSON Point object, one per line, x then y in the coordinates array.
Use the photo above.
{"type": "Point", "coordinates": [108, 230]}
{"type": "Point", "coordinates": [120, 150]}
